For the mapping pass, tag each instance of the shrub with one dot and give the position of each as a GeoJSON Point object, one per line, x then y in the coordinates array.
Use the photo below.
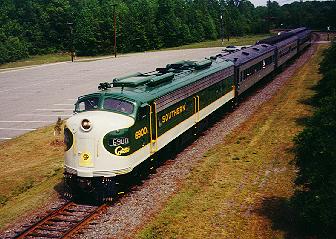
{"type": "Point", "coordinates": [13, 49]}
{"type": "Point", "coordinates": [315, 147]}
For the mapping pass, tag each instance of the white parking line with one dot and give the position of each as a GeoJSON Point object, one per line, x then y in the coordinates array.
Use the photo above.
{"type": "Point", "coordinates": [26, 121]}
{"type": "Point", "coordinates": [29, 67]}
{"type": "Point", "coordinates": [4, 138]}
{"type": "Point", "coordinates": [64, 104]}
{"type": "Point", "coordinates": [44, 115]}
{"type": "Point", "coordinates": [54, 109]}
{"type": "Point", "coordinates": [16, 129]}
{"type": "Point", "coordinates": [25, 87]}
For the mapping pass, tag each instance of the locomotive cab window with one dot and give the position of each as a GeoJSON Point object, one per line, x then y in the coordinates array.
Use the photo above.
{"type": "Point", "coordinates": [118, 105]}
{"type": "Point", "coordinates": [87, 104]}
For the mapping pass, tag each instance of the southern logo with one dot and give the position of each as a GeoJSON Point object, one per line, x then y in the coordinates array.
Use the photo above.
{"type": "Point", "coordinates": [173, 113]}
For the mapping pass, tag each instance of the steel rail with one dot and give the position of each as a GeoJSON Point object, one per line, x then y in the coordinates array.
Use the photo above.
{"type": "Point", "coordinates": [76, 228]}
{"type": "Point", "coordinates": [54, 217]}
{"type": "Point", "coordinates": [42, 221]}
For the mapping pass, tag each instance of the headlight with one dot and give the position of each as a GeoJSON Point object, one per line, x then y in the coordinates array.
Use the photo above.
{"type": "Point", "coordinates": [86, 125]}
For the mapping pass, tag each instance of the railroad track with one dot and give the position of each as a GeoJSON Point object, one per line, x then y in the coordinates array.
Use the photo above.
{"type": "Point", "coordinates": [63, 222]}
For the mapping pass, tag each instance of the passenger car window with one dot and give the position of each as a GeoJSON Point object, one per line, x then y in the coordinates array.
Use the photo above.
{"type": "Point", "coordinates": [87, 104]}
{"type": "Point", "coordinates": [118, 105]}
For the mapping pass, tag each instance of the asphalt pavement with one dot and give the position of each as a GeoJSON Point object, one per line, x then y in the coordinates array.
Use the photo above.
{"type": "Point", "coordinates": [35, 97]}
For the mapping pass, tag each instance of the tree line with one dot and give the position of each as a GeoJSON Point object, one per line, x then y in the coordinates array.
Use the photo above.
{"type": "Point", "coordinates": [315, 147]}
{"type": "Point", "coordinates": [32, 27]}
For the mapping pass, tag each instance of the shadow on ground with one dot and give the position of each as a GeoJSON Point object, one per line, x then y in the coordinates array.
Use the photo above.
{"type": "Point", "coordinates": [59, 188]}
{"type": "Point", "coordinates": [282, 216]}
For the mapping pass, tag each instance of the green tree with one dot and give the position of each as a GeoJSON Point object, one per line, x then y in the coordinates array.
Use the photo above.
{"type": "Point", "coordinates": [87, 34]}
{"type": "Point", "coordinates": [168, 24]}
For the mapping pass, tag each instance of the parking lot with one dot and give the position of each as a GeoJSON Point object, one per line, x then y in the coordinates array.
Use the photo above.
{"type": "Point", "coordinates": [34, 97]}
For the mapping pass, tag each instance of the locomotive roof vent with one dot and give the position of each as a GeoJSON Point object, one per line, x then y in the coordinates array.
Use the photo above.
{"type": "Point", "coordinates": [187, 65]}
{"type": "Point", "coordinates": [157, 80]}
{"type": "Point", "coordinates": [245, 53]}
{"type": "Point", "coordinates": [202, 64]}
{"type": "Point", "coordinates": [181, 65]}
{"type": "Point", "coordinates": [132, 81]}
{"type": "Point", "coordinates": [127, 76]}
{"type": "Point", "coordinates": [256, 49]}
{"type": "Point", "coordinates": [264, 45]}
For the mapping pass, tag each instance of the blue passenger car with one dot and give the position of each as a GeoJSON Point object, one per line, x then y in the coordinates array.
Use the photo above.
{"type": "Point", "coordinates": [251, 65]}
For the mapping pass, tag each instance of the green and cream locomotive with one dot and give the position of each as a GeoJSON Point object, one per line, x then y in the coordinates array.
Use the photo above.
{"type": "Point", "coordinates": [130, 119]}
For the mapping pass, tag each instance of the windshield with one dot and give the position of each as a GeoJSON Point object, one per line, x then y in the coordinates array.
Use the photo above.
{"type": "Point", "coordinates": [118, 105]}
{"type": "Point", "coordinates": [87, 104]}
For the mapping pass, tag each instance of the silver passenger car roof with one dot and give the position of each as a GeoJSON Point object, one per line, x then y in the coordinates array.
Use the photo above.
{"type": "Point", "coordinates": [248, 54]}
{"type": "Point", "coordinates": [303, 34]}
{"type": "Point", "coordinates": [286, 41]}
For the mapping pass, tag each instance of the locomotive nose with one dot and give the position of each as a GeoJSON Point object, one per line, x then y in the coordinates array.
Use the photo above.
{"type": "Point", "coordinates": [85, 154]}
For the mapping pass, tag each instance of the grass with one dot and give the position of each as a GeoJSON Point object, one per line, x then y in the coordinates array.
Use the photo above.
{"type": "Point", "coordinates": [241, 187]}
{"type": "Point", "coordinates": [238, 41]}
{"type": "Point", "coordinates": [32, 167]}
{"type": "Point", "coordinates": [53, 58]}
{"type": "Point", "coordinates": [37, 60]}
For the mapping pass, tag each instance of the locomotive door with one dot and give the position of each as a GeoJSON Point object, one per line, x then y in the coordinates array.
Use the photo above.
{"type": "Point", "coordinates": [153, 128]}
{"type": "Point", "coordinates": [197, 108]}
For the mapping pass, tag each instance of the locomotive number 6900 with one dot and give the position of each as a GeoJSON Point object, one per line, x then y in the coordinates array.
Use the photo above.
{"type": "Point", "coordinates": [140, 133]}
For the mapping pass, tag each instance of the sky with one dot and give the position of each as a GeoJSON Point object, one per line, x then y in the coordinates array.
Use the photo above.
{"type": "Point", "coordinates": [263, 2]}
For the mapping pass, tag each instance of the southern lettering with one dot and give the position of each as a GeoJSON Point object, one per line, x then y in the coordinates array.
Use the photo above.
{"type": "Point", "coordinates": [173, 113]}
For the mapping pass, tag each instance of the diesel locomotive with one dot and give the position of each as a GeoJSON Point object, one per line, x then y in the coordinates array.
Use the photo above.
{"type": "Point", "coordinates": [129, 120]}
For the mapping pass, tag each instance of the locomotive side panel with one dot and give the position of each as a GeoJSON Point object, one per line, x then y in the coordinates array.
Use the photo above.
{"type": "Point", "coordinates": [178, 118]}
{"type": "Point", "coordinates": [192, 104]}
